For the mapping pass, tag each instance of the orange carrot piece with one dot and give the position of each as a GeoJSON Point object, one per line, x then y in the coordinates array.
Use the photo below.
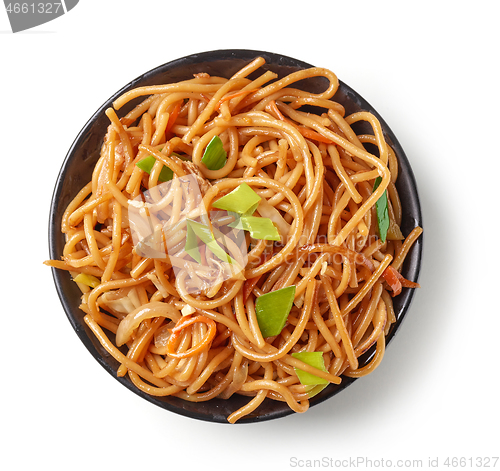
{"type": "Point", "coordinates": [180, 326]}
{"type": "Point", "coordinates": [173, 117]}
{"type": "Point", "coordinates": [406, 283]}
{"type": "Point", "coordinates": [306, 132]}
{"type": "Point", "coordinates": [389, 275]}
{"type": "Point", "coordinates": [234, 95]}
{"type": "Point", "coordinates": [205, 97]}
{"type": "Point", "coordinates": [397, 281]}
{"type": "Point", "coordinates": [275, 110]}
{"type": "Point", "coordinates": [313, 135]}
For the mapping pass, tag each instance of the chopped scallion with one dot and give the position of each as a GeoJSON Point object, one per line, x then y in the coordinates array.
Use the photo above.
{"type": "Point", "coordinates": [272, 310]}
{"type": "Point", "coordinates": [259, 228]}
{"type": "Point", "coordinates": [242, 200]}
{"type": "Point", "coordinates": [146, 164]}
{"type": "Point", "coordinates": [314, 359]}
{"type": "Point", "coordinates": [88, 280]}
{"type": "Point", "coordinates": [204, 233]}
{"type": "Point", "coordinates": [191, 246]}
{"type": "Point", "coordinates": [382, 211]}
{"type": "Point", "coordinates": [315, 389]}
{"type": "Point", "coordinates": [214, 157]}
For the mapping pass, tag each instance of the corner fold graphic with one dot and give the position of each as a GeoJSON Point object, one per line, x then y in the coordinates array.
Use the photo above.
{"type": "Point", "coordinates": [27, 15]}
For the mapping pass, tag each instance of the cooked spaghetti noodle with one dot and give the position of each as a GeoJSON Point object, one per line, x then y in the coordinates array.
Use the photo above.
{"type": "Point", "coordinates": [315, 179]}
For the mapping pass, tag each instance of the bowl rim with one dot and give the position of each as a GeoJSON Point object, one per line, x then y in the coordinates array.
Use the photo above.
{"type": "Point", "coordinates": [414, 260]}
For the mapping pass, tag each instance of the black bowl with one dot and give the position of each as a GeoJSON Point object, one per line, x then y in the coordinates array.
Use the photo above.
{"type": "Point", "coordinates": [76, 172]}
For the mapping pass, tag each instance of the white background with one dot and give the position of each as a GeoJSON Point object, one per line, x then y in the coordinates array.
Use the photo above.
{"type": "Point", "coordinates": [429, 68]}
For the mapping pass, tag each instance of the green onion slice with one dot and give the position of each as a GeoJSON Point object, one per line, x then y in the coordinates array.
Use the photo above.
{"type": "Point", "coordinates": [314, 359]}
{"type": "Point", "coordinates": [272, 310]}
{"type": "Point", "coordinates": [203, 232]}
{"type": "Point", "coordinates": [242, 203]}
{"type": "Point", "coordinates": [88, 280]}
{"type": "Point", "coordinates": [242, 200]}
{"type": "Point", "coordinates": [191, 246]}
{"type": "Point", "coordinates": [214, 157]}
{"type": "Point", "coordinates": [259, 228]}
{"type": "Point", "coordinates": [382, 211]}
{"type": "Point", "coordinates": [146, 164]}
{"type": "Point", "coordinates": [316, 389]}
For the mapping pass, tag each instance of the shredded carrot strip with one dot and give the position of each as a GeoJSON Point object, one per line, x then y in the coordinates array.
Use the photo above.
{"type": "Point", "coordinates": [173, 117]}
{"type": "Point", "coordinates": [180, 326]}
{"type": "Point", "coordinates": [234, 95]}
{"type": "Point", "coordinates": [274, 109]}
{"type": "Point", "coordinates": [390, 276]}
{"type": "Point", "coordinates": [306, 132]}
{"type": "Point", "coordinates": [404, 282]}
{"type": "Point", "coordinates": [397, 281]}
{"type": "Point", "coordinates": [315, 136]}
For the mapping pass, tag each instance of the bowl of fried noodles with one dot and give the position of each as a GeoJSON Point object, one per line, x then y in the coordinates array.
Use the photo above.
{"type": "Point", "coordinates": [236, 236]}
